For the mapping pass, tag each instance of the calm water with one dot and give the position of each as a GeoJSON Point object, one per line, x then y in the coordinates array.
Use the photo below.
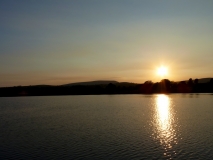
{"type": "Point", "coordinates": [176, 126]}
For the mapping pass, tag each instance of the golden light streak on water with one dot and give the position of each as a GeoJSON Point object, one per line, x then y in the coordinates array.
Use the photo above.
{"type": "Point", "coordinates": [163, 112]}
{"type": "Point", "coordinates": [164, 121]}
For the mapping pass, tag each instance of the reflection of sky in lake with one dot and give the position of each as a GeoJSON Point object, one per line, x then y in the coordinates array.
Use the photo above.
{"type": "Point", "coordinates": [164, 124]}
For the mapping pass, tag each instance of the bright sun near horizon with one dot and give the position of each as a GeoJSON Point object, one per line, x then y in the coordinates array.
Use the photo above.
{"type": "Point", "coordinates": [162, 71]}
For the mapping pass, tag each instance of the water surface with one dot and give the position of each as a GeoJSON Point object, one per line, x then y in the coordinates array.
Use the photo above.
{"type": "Point", "coordinates": [175, 126]}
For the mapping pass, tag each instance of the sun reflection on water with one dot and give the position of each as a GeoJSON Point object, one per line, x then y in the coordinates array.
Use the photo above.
{"type": "Point", "coordinates": [164, 121]}
{"type": "Point", "coordinates": [163, 112]}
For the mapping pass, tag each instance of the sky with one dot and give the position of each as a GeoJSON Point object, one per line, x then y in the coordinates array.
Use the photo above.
{"type": "Point", "coordinates": [58, 42]}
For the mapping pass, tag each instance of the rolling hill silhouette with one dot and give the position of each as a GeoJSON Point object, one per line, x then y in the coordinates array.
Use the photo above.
{"type": "Point", "coordinates": [203, 85]}
{"type": "Point", "coordinates": [98, 82]}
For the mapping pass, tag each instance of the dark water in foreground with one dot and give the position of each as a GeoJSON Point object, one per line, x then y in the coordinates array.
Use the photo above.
{"type": "Point", "coordinates": [176, 126]}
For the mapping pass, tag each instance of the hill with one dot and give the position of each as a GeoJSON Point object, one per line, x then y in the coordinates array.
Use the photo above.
{"type": "Point", "coordinates": [204, 80]}
{"type": "Point", "coordinates": [202, 85]}
{"type": "Point", "coordinates": [99, 82]}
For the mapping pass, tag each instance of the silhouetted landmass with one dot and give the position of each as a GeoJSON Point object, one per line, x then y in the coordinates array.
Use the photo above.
{"type": "Point", "coordinates": [91, 83]}
{"type": "Point", "coordinates": [112, 87]}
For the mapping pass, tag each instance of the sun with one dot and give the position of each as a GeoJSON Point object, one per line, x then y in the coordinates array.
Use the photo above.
{"type": "Point", "coordinates": [162, 71]}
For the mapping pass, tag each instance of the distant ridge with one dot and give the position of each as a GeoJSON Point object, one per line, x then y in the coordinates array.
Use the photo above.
{"type": "Point", "coordinates": [106, 82]}
{"type": "Point", "coordinates": [204, 80]}
{"type": "Point", "coordinates": [200, 80]}
{"type": "Point", "coordinates": [99, 82]}
{"type": "Point", "coordinates": [100, 87]}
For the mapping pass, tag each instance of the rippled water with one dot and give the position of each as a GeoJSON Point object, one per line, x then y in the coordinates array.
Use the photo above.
{"type": "Point", "coordinates": [176, 126]}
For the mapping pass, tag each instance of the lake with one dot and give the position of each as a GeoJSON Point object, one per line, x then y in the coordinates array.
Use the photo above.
{"type": "Point", "coordinates": [174, 126]}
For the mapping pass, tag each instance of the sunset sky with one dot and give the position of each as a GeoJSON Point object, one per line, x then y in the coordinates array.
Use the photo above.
{"type": "Point", "coordinates": [60, 41]}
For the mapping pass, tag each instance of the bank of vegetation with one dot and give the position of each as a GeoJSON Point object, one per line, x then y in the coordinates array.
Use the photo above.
{"type": "Point", "coordinates": [113, 87]}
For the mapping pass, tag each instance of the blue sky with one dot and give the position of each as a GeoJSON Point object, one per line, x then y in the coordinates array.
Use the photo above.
{"type": "Point", "coordinates": [57, 42]}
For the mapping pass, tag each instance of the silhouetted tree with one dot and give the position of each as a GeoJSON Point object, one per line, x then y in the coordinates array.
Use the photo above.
{"type": "Point", "coordinates": [190, 82]}
{"type": "Point", "coordinates": [165, 86]}
{"type": "Point", "coordinates": [182, 87]}
{"type": "Point", "coordinates": [147, 87]}
{"type": "Point", "coordinates": [173, 86]}
{"type": "Point", "coordinates": [196, 81]}
{"type": "Point", "coordinates": [196, 86]}
{"type": "Point", "coordinates": [148, 82]}
{"type": "Point", "coordinates": [190, 85]}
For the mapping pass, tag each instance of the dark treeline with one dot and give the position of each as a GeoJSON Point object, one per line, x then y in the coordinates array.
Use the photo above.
{"type": "Point", "coordinates": [164, 86]}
